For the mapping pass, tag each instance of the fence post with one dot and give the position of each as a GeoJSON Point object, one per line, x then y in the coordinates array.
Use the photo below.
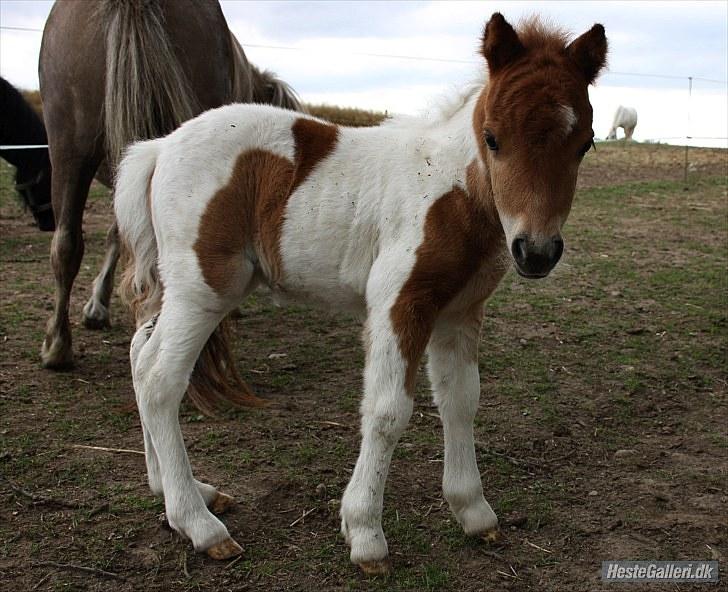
{"type": "Point", "coordinates": [687, 131]}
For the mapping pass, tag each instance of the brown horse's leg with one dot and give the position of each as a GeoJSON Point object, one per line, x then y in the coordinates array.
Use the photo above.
{"type": "Point", "coordinates": [96, 311]}
{"type": "Point", "coordinates": [70, 185]}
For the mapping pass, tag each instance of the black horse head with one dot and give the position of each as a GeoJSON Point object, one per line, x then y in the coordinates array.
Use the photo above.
{"type": "Point", "coordinates": [21, 126]}
{"type": "Point", "coordinates": [35, 190]}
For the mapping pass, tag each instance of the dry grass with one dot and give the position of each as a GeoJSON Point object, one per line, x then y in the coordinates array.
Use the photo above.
{"type": "Point", "coordinates": [33, 97]}
{"type": "Point", "coordinates": [348, 116]}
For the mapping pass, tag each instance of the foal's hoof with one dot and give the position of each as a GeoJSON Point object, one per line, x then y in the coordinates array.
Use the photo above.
{"type": "Point", "coordinates": [221, 503]}
{"type": "Point", "coordinates": [493, 536]}
{"type": "Point", "coordinates": [376, 568]}
{"type": "Point", "coordinates": [225, 550]}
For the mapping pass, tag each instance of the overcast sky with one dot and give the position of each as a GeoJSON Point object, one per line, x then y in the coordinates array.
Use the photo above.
{"type": "Point", "coordinates": [678, 39]}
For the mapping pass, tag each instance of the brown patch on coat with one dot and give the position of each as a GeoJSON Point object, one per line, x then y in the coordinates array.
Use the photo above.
{"type": "Point", "coordinates": [248, 212]}
{"type": "Point", "coordinates": [255, 194]}
{"type": "Point", "coordinates": [314, 142]}
{"type": "Point", "coordinates": [459, 237]}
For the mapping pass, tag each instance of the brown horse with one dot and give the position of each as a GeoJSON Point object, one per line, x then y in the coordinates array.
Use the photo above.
{"type": "Point", "coordinates": [117, 71]}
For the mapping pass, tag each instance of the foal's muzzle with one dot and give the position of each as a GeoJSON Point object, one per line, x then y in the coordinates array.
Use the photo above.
{"type": "Point", "coordinates": [534, 258]}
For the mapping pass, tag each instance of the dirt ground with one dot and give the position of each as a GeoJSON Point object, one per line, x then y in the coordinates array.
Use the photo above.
{"type": "Point", "coordinates": [602, 432]}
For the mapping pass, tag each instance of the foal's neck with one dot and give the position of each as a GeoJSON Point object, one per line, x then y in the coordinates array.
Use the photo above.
{"type": "Point", "coordinates": [456, 140]}
{"type": "Point", "coordinates": [454, 133]}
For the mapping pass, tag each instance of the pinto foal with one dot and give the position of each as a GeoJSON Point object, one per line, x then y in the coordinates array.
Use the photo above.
{"type": "Point", "coordinates": [411, 223]}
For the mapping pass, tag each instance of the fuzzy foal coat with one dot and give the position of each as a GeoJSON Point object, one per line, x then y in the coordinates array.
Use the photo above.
{"type": "Point", "coordinates": [383, 222]}
{"type": "Point", "coordinates": [309, 208]}
{"type": "Point", "coordinates": [403, 224]}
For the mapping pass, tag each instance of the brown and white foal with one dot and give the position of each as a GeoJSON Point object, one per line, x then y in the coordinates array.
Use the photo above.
{"type": "Point", "coordinates": [412, 224]}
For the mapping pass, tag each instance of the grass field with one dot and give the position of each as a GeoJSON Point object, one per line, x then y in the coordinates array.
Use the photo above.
{"type": "Point", "coordinates": [602, 432]}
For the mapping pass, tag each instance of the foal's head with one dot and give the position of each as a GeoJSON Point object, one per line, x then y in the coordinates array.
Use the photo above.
{"type": "Point", "coordinates": [533, 122]}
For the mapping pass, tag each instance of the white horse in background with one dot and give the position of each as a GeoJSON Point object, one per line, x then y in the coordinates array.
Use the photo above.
{"type": "Point", "coordinates": [626, 118]}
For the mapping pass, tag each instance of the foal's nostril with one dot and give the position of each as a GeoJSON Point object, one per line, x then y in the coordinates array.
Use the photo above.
{"type": "Point", "coordinates": [519, 248]}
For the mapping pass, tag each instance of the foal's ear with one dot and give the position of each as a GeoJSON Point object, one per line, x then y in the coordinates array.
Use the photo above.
{"type": "Point", "coordinates": [590, 52]}
{"type": "Point", "coordinates": [500, 44]}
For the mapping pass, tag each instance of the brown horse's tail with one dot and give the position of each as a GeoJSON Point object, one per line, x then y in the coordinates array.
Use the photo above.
{"type": "Point", "coordinates": [147, 94]}
{"type": "Point", "coordinates": [215, 381]}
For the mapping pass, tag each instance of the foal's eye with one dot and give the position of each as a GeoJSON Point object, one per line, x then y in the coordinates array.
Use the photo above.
{"type": "Point", "coordinates": [586, 147]}
{"type": "Point", "coordinates": [490, 141]}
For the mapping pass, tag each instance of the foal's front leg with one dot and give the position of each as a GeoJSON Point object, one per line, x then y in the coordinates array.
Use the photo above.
{"type": "Point", "coordinates": [453, 370]}
{"type": "Point", "coordinates": [385, 411]}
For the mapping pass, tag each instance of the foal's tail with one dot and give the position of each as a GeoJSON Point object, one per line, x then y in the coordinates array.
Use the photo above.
{"type": "Point", "coordinates": [215, 381]}
{"type": "Point", "coordinates": [147, 94]}
{"type": "Point", "coordinates": [140, 287]}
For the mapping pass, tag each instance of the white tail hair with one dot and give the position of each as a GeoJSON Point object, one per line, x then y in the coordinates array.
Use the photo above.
{"type": "Point", "coordinates": [140, 287]}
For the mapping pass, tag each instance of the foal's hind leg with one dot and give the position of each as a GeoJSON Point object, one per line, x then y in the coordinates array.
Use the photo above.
{"type": "Point", "coordinates": [96, 310]}
{"type": "Point", "coordinates": [453, 370]}
{"type": "Point", "coordinates": [161, 372]}
{"type": "Point", "coordinates": [217, 501]}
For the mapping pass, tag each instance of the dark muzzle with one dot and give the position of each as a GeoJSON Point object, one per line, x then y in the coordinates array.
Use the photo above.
{"type": "Point", "coordinates": [37, 197]}
{"type": "Point", "coordinates": [535, 259]}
